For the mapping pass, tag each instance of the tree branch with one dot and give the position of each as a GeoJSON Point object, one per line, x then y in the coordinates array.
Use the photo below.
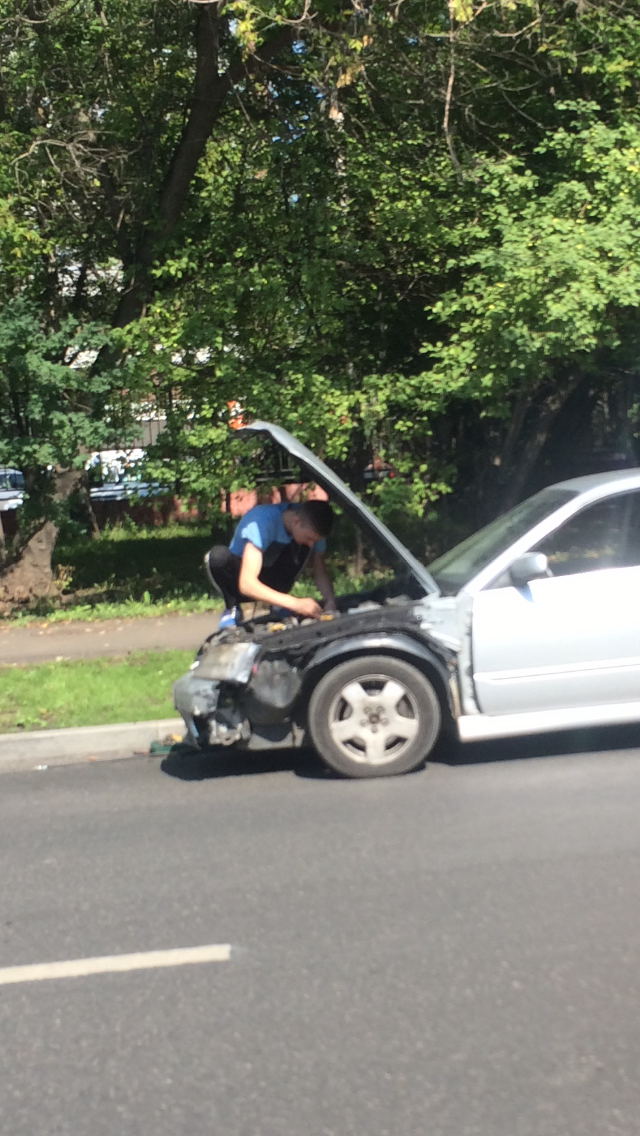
{"type": "Point", "coordinates": [447, 106]}
{"type": "Point", "coordinates": [209, 95]}
{"type": "Point", "coordinates": [547, 414]}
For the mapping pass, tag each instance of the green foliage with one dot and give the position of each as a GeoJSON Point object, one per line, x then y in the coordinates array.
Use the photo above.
{"type": "Point", "coordinates": [410, 229]}
{"type": "Point", "coordinates": [553, 279]}
{"type": "Point", "coordinates": [330, 257]}
{"type": "Point", "coordinates": [48, 398]}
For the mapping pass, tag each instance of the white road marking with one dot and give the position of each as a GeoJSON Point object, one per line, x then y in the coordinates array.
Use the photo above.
{"type": "Point", "coordinates": [112, 964]}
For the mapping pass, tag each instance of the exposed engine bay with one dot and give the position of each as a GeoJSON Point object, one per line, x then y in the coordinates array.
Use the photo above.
{"type": "Point", "coordinates": [247, 684]}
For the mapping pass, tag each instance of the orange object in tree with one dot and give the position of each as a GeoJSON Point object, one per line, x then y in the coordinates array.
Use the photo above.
{"type": "Point", "coordinates": [235, 414]}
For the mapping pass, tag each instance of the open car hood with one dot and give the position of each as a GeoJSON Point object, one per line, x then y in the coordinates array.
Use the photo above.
{"type": "Point", "coordinates": [343, 496]}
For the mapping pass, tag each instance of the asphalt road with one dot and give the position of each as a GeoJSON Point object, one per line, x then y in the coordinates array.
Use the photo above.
{"type": "Point", "coordinates": [454, 953]}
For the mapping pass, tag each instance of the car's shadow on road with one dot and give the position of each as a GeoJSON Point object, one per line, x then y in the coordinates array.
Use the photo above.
{"type": "Point", "coordinates": [449, 751]}
{"type": "Point", "coordinates": [188, 764]}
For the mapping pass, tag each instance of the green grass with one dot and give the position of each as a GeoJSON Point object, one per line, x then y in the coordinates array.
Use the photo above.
{"type": "Point", "coordinates": [143, 566]}
{"type": "Point", "coordinates": [51, 612]}
{"type": "Point", "coordinates": [130, 572]}
{"type": "Point", "coordinates": [126, 573]}
{"type": "Point", "coordinates": [91, 692]}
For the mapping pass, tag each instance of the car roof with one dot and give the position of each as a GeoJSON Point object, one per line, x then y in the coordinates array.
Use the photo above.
{"type": "Point", "coordinates": [615, 478]}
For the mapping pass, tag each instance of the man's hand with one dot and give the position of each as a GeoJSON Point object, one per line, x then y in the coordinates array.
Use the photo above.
{"type": "Point", "coordinates": [305, 607]}
{"type": "Point", "coordinates": [252, 587]}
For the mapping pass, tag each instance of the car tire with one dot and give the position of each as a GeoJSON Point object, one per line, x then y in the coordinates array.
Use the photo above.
{"type": "Point", "coordinates": [374, 716]}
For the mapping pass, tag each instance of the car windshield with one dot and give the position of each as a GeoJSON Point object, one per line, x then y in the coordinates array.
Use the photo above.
{"type": "Point", "coordinates": [11, 479]}
{"type": "Point", "coordinates": [453, 570]}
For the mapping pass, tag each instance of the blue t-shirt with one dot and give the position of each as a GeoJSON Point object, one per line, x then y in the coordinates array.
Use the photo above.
{"type": "Point", "coordinates": [263, 527]}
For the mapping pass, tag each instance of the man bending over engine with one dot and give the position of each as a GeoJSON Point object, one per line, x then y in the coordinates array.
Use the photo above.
{"type": "Point", "coordinates": [269, 549]}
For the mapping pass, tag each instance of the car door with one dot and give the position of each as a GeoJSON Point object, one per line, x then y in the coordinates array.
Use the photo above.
{"type": "Point", "coordinates": [572, 639]}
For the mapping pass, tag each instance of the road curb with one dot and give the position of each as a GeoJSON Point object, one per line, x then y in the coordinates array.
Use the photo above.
{"type": "Point", "coordinates": [84, 743]}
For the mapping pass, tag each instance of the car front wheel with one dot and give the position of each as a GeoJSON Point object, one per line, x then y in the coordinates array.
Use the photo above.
{"type": "Point", "coordinates": [374, 716]}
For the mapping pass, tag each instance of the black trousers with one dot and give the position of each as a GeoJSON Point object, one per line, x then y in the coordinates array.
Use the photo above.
{"type": "Point", "coordinates": [281, 575]}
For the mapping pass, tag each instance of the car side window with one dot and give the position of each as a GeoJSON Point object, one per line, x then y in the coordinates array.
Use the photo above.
{"type": "Point", "coordinates": [604, 535]}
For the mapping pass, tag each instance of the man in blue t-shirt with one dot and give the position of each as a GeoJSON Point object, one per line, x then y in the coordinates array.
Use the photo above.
{"type": "Point", "coordinates": [269, 549]}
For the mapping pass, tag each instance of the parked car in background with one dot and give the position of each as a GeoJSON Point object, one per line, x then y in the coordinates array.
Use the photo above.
{"type": "Point", "coordinates": [532, 624]}
{"type": "Point", "coordinates": [126, 489]}
{"type": "Point", "coordinates": [11, 488]}
{"type": "Point", "coordinates": [114, 475]}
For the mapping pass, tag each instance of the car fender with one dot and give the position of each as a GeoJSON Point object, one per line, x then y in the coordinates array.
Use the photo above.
{"type": "Point", "coordinates": [400, 645]}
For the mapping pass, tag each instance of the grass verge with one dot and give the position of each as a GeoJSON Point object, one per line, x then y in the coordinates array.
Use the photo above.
{"type": "Point", "coordinates": [46, 610]}
{"type": "Point", "coordinates": [94, 692]}
{"type": "Point", "coordinates": [129, 573]}
{"type": "Point", "coordinates": [126, 573]}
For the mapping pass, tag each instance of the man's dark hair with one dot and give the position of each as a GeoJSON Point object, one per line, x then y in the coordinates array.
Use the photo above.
{"type": "Point", "coordinates": [318, 515]}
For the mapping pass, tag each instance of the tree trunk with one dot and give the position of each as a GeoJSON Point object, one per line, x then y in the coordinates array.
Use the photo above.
{"type": "Point", "coordinates": [88, 505]}
{"type": "Point", "coordinates": [30, 573]}
{"type": "Point", "coordinates": [358, 559]}
{"type": "Point", "coordinates": [210, 92]}
{"type": "Point", "coordinates": [523, 402]}
{"type": "Point", "coordinates": [532, 448]}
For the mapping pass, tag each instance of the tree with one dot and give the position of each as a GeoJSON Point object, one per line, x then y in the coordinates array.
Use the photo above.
{"type": "Point", "coordinates": [107, 111]}
{"type": "Point", "coordinates": [326, 216]}
{"type": "Point", "coordinates": [343, 247]}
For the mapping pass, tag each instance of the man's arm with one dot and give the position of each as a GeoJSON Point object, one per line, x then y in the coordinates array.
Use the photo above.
{"type": "Point", "coordinates": [250, 586]}
{"type": "Point", "coordinates": [322, 581]}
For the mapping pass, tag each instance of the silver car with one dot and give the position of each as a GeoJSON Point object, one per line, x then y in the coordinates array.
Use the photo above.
{"type": "Point", "coordinates": [530, 625]}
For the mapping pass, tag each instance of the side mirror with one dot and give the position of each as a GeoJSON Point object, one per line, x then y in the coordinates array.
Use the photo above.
{"type": "Point", "coordinates": [531, 566]}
